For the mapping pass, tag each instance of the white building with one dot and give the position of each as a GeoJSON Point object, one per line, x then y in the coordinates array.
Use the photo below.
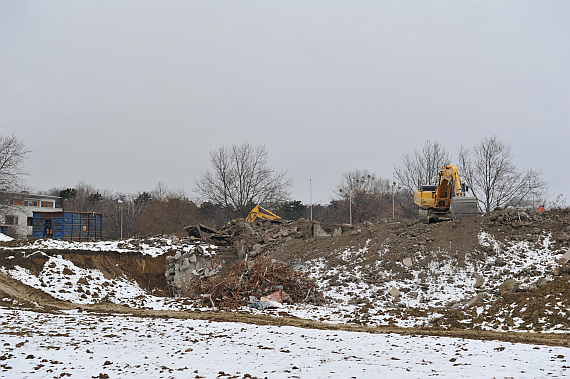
{"type": "Point", "coordinates": [17, 212]}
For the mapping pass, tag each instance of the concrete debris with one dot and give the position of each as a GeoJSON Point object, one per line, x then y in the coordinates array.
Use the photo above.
{"type": "Point", "coordinates": [394, 292]}
{"type": "Point", "coordinates": [539, 283]}
{"type": "Point", "coordinates": [454, 306]}
{"type": "Point", "coordinates": [510, 285]}
{"type": "Point", "coordinates": [407, 262]}
{"type": "Point", "coordinates": [196, 261]}
{"type": "Point", "coordinates": [298, 265]}
{"type": "Point", "coordinates": [200, 231]}
{"type": "Point", "coordinates": [258, 304]}
{"type": "Point", "coordinates": [245, 279]}
{"type": "Point", "coordinates": [479, 281]}
{"type": "Point", "coordinates": [479, 298]}
{"type": "Point", "coordinates": [565, 258]}
{"type": "Point", "coordinates": [244, 238]}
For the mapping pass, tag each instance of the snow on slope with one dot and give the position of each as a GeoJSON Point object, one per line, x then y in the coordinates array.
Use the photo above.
{"type": "Point", "coordinates": [439, 284]}
{"type": "Point", "coordinates": [63, 280]}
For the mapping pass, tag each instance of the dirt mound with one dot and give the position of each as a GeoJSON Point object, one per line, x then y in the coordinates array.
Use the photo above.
{"type": "Point", "coordinates": [16, 294]}
{"type": "Point", "coordinates": [538, 309]}
{"type": "Point", "coordinates": [459, 236]}
{"type": "Point", "coordinates": [496, 272]}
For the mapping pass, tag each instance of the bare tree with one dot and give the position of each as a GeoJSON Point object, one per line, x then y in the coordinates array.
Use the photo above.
{"type": "Point", "coordinates": [363, 197]}
{"type": "Point", "coordinates": [170, 214]}
{"type": "Point", "coordinates": [84, 197]}
{"type": "Point", "coordinates": [361, 181]}
{"type": "Point", "coordinates": [494, 179]}
{"type": "Point", "coordinates": [559, 202]}
{"type": "Point", "coordinates": [240, 178]}
{"type": "Point", "coordinates": [422, 167]}
{"type": "Point", "coordinates": [13, 152]}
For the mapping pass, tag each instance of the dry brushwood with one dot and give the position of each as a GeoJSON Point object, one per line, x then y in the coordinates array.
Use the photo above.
{"type": "Point", "coordinates": [232, 287]}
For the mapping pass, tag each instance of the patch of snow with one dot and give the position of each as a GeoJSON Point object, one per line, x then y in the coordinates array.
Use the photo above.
{"type": "Point", "coordinates": [5, 238]}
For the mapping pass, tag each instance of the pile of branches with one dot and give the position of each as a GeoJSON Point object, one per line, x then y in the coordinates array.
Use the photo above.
{"type": "Point", "coordinates": [233, 286]}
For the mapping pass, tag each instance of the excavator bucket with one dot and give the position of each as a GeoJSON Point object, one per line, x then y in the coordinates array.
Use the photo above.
{"type": "Point", "coordinates": [462, 207]}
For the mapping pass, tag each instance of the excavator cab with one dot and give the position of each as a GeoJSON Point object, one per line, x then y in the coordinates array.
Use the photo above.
{"type": "Point", "coordinates": [260, 212]}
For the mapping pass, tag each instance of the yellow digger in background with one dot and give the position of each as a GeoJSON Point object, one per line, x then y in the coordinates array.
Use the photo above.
{"type": "Point", "coordinates": [446, 200]}
{"type": "Point", "coordinates": [260, 212]}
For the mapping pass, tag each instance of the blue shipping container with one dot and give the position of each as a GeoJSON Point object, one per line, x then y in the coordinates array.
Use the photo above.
{"type": "Point", "coordinates": [69, 226]}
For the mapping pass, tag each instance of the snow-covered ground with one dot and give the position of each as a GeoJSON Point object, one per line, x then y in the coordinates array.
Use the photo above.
{"type": "Point", "coordinates": [153, 246]}
{"type": "Point", "coordinates": [88, 345]}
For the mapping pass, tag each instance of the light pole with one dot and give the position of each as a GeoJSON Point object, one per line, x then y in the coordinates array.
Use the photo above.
{"type": "Point", "coordinates": [121, 202]}
{"type": "Point", "coordinates": [311, 196]}
{"type": "Point", "coordinates": [350, 205]}
{"type": "Point", "coordinates": [393, 195]}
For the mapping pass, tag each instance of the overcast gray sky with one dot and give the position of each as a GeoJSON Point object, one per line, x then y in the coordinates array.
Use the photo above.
{"type": "Point", "coordinates": [126, 94]}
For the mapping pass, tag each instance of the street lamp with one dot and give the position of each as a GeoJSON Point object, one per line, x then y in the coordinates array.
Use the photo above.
{"type": "Point", "coordinates": [350, 204]}
{"type": "Point", "coordinates": [121, 202]}
{"type": "Point", "coordinates": [394, 195]}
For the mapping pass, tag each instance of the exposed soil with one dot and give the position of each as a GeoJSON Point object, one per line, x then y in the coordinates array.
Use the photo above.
{"type": "Point", "coordinates": [450, 241]}
{"type": "Point", "coordinates": [147, 271]}
{"type": "Point", "coordinates": [40, 301]}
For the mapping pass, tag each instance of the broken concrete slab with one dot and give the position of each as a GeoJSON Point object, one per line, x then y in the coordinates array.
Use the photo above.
{"type": "Point", "coordinates": [479, 281]}
{"type": "Point", "coordinates": [394, 292]}
{"type": "Point", "coordinates": [479, 298]}
{"type": "Point", "coordinates": [200, 231]}
{"type": "Point", "coordinates": [318, 231]}
{"type": "Point", "coordinates": [565, 258]}
{"type": "Point", "coordinates": [407, 262]}
{"type": "Point", "coordinates": [258, 304]}
{"type": "Point", "coordinates": [510, 285]}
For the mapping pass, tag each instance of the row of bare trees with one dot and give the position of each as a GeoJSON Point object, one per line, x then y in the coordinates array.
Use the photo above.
{"type": "Point", "coordinates": [488, 168]}
{"type": "Point", "coordinates": [240, 178]}
{"type": "Point", "coordinates": [161, 211]}
{"type": "Point", "coordinates": [496, 180]}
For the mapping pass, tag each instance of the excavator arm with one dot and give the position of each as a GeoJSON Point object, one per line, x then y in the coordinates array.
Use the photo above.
{"type": "Point", "coordinates": [260, 212]}
{"type": "Point", "coordinates": [447, 199]}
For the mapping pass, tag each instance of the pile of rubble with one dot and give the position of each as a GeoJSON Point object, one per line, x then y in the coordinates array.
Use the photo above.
{"type": "Point", "coordinates": [244, 281]}
{"type": "Point", "coordinates": [197, 261]}
{"type": "Point", "coordinates": [399, 265]}
{"type": "Point", "coordinates": [243, 238]}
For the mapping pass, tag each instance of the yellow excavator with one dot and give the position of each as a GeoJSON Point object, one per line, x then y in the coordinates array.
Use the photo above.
{"type": "Point", "coordinates": [446, 200]}
{"type": "Point", "coordinates": [260, 212]}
